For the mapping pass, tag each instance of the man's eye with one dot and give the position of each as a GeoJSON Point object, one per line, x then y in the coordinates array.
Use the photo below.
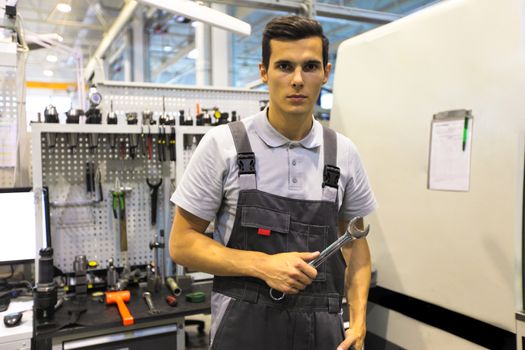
{"type": "Point", "coordinates": [310, 67]}
{"type": "Point", "coordinates": [285, 67]}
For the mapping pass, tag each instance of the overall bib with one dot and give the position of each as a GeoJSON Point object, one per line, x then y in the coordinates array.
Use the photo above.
{"type": "Point", "coordinates": [273, 224]}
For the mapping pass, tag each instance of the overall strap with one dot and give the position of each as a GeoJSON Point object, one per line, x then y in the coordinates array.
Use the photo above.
{"type": "Point", "coordinates": [245, 156]}
{"type": "Point", "coordinates": [331, 172]}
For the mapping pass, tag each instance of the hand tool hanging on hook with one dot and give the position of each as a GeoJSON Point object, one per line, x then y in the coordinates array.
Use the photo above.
{"type": "Point", "coordinates": [119, 212]}
{"type": "Point", "coordinates": [154, 193]}
{"type": "Point", "coordinates": [73, 117]}
{"type": "Point", "coordinates": [173, 154]}
{"type": "Point", "coordinates": [352, 233]}
{"type": "Point", "coordinates": [112, 119]}
{"type": "Point", "coordinates": [51, 116]}
{"type": "Point", "coordinates": [161, 144]}
{"type": "Point", "coordinates": [132, 119]}
{"type": "Point", "coordinates": [93, 116]}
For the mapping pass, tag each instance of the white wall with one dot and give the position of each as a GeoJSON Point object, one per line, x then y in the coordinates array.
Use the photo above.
{"type": "Point", "coordinates": [458, 250]}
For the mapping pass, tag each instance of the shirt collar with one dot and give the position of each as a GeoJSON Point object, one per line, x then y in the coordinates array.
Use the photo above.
{"type": "Point", "coordinates": [273, 138]}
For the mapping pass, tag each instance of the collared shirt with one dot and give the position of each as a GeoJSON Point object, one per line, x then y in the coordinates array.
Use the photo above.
{"type": "Point", "coordinates": [209, 188]}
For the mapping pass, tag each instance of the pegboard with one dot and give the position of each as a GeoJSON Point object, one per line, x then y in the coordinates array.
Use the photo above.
{"type": "Point", "coordinates": [8, 120]}
{"type": "Point", "coordinates": [91, 229]}
{"type": "Point", "coordinates": [139, 97]}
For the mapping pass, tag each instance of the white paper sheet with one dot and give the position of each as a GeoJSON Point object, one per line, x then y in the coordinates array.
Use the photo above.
{"type": "Point", "coordinates": [449, 163]}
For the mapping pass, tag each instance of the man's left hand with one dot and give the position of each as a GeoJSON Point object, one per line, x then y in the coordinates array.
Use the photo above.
{"type": "Point", "coordinates": [355, 338]}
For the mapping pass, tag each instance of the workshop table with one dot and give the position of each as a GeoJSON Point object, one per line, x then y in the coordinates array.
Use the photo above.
{"type": "Point", "coordinates": [100, 326]}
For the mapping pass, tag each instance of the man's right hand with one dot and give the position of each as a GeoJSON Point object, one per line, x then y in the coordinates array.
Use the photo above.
{"type": "Point", "coordinates": [288, 272]}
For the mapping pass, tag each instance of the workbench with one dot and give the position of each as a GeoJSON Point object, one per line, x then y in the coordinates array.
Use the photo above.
{"type": "Point", "coordinates": [100, 326]}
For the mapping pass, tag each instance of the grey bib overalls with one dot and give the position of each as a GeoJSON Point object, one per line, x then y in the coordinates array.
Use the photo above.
{"type": "Point", "coordinates": [273, 224]}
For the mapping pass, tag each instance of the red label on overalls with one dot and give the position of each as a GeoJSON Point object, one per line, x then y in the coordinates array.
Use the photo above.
{"type": "Point", "coordinates": [263, 232]}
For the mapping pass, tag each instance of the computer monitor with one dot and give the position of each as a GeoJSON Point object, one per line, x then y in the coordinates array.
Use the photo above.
{"type": "Point", "coordinates": [18, 225]}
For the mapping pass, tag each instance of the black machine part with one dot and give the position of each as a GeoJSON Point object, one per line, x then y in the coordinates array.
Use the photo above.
{"type": "Point", "coordinates": [12, 320]}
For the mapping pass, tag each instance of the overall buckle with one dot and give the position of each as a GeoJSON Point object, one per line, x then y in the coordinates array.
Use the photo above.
{"type": "Point", "coordinates": [246, 163]}
{"type": "Point", "coordinates": [331, 176]}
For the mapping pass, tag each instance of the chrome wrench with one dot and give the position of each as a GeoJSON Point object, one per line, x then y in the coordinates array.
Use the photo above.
{"type": "Point", "coordinates": [352, 233]}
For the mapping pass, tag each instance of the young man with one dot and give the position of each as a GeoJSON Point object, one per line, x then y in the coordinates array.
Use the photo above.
{"type": "Point", "coordinates": [281, 188]}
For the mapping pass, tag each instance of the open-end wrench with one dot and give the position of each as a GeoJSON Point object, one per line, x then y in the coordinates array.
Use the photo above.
{"type": "Point", "coordinates": [352, 233]}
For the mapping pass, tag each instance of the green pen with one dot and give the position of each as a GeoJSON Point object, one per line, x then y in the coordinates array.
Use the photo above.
{"type": "Point", "coordinates": [465, 132]}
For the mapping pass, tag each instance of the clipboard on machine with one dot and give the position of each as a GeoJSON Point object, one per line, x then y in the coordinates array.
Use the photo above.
{"type": "Point", "coordinates": [450, 151]}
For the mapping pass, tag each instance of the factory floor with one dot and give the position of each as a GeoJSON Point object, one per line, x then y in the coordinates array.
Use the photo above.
{"type": "Point", "coordinates": [194, 339]}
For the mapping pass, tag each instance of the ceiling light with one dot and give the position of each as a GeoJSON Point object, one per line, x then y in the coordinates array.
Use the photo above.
{"type": "Point", "coordinates": [167, 48]}
{"type": "Point", "coordinates": [48, 72]}
{"type": "Point", "coordinates": [52, 58]}
{"type": "Point", "coordinates": [193, 54]}
{"type": "Point", "coordinates": [63, 7]}
{"type": "Point", "coordinates": [205, 14]}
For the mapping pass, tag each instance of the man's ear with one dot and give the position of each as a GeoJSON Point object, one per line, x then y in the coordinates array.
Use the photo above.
{"type": "Point", "coordinates": [263, 73]}
{"type": "Point", "coordinates": [327, 71]}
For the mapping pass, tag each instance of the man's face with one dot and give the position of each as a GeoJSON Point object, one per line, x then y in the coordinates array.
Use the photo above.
{"type": "Point", "coordinates": [295, 75]}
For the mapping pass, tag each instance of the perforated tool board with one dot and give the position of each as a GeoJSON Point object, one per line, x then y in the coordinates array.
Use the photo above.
{"type": "Point", "coordinates": [90, 229]}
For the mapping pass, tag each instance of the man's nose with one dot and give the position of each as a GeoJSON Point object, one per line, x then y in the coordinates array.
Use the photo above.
{"type": "Point", "coordinates": [297, 78]}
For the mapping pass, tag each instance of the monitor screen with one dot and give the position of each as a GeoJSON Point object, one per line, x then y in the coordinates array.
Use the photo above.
{"type": "Point", "coordinates": [18, 224]}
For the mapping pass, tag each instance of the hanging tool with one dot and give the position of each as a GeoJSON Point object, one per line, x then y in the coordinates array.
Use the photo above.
{"type": "Point", "coordinates": [172, 149]}
{"type": "Point", "coordinates": [163, 118]}
{"type": "Point", "coordinates": [131, 119]}
{"type": "Point", "coordinates": [120, 298]}
{"type": "Point", "coordinates": [112, 119]}
{"type": "Point", "coordinates": [93, 116]}
{"type": "Point", "coordinates": [352, 233]}
{"type": "Point", "coordinates": [154, 193]}
{"type": "Point", "coordinates": [90, 177]}
{"type": "Point", "coordinates": [73, 117]}
{"type": "Point", "coordinates": [98, 184]}
{"type": "Point", "coordinates": [147, 120]}
{"type": "Point", "coordinates": [161, 144]}
{"type": "Point", "coordinates": [119, 212]}
{"type": "Point", "coordinates": [51, 116]}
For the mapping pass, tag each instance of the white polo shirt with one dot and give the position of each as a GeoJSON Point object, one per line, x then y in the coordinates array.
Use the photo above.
{"type": "Point", "coordinates": [209, 188]}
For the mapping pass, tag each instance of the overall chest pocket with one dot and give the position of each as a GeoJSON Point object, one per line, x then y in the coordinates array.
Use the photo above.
{"type": "Point", "coordinates": [273, 232]}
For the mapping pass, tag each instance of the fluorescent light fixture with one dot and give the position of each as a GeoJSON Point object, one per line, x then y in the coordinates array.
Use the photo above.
{"type": "Point", "coordinates": [202, 13]}
{"type": "Point", "coordinates": [63, 7]}
{"type": "Point", "coordinates": [52, 58]}
{"type": "Point", "coordinates": [48, 72]}
{"type": "Point", "coordinates": [167, 48]}
{"type": "Point", "coordinates": [193, 54]}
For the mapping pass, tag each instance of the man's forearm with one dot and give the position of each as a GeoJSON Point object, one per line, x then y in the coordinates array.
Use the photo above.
{"type": "Point", "coordinates": [357, 280]}
{"type": "Point", "coordinates": [197, 251]}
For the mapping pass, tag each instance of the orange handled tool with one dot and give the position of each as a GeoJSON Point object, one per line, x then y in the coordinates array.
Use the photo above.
{"type": "Point", "coordinates": [120, 298]}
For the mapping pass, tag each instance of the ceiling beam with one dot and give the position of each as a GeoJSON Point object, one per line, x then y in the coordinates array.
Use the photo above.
{"type": "Point", "coordinates": [123, 18]}
{"type": "Point", "coordinates": [181, 53]}
{"type": "Point", "coordinates": [324, 10]}
{"type": "Point", "coordinates": [60, 22]}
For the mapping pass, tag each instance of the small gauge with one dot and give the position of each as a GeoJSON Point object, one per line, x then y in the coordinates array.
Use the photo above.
{"type": "Point", "coordinates": [95, 98]}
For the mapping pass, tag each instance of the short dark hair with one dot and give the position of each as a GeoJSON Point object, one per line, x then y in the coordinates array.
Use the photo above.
{"type": "Point", "coordinates": [292, 28]}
